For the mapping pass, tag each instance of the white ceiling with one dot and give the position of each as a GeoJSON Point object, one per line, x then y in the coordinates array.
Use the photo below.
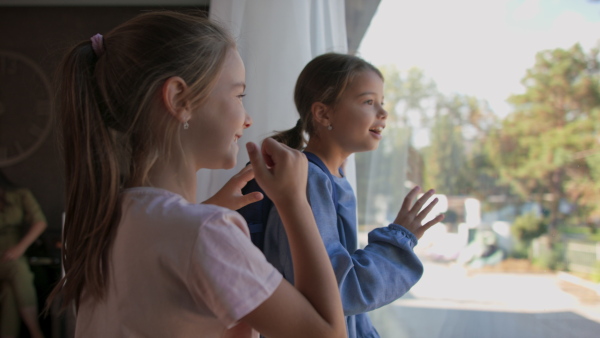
{"type": "Point", "coordinates": [104, 2]}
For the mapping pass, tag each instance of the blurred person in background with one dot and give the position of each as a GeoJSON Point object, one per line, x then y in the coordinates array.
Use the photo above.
{"type": "Point", "coordinates": [19, 210]}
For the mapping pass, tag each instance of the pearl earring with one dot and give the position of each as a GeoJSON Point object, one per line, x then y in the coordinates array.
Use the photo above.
{"type": "Point", "coordinates": [330, 127]}
{"type": "Point", "coordinates": [186, 125]}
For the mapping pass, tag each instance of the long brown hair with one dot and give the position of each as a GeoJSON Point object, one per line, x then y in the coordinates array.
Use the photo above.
{"type": "Point", "coordinates": [111, 132]}
{"type": "Point", "coordinates": [324, 79]}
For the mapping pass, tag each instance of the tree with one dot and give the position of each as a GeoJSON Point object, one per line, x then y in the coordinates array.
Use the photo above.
{"type": "Point", "coordinates": [545, 147]}
{"type": "Point", "coordinates": [407, 95]}
{"type": "Point", "coordinates": [446, 158]}
{"type": "Point", "coordinates": [456, 161]}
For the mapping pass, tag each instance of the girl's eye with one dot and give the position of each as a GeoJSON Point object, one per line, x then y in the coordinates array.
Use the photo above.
{"type": "Point", "coordinates": [369, 102]}
{"type": "Point", "coordinates": [241, 96]}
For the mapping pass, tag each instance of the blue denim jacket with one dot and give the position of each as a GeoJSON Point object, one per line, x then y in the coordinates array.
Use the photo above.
{"type": "Point", "coordinates": [368, 278]}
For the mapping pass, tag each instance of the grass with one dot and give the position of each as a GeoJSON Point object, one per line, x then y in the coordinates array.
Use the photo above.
{"type": "Point", "coordinates": [585, 232]}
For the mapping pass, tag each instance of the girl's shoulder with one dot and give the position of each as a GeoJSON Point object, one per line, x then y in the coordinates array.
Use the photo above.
{"type": "Point", "coordinates": [315, 173]}
{"type": "Point", "coordinates": [317, 176]}
{"type": "Point", "coordinates": [159, 204]}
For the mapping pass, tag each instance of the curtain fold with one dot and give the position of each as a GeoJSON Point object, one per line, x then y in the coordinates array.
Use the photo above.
{"type": "Point", "coordinates": [276, 39]}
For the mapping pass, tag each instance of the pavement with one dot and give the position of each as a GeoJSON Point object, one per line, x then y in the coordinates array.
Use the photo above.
{"type": "Point", "coordinates": [451, 301]}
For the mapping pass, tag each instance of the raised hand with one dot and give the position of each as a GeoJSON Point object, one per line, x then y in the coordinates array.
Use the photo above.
{"type": "Point", "coordinates": [230, 196]}
{"type": "Point", "coordinates": [281, 171]}
{"type": "Point", "coordinates": [410, 216]}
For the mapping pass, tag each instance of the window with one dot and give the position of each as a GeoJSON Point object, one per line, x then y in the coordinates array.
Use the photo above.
{"type": "Point", "coordinates": [497, 107]}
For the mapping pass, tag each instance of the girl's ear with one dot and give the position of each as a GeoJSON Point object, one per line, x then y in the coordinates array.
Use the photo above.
{"type": "Point", "coordinates": [321, 114]}
{"type": "Point", "coordinates": [174, 96]}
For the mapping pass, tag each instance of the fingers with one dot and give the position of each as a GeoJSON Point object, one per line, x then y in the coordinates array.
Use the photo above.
{"type": "Point", "coordinates": [434, 221]}
{"type": "Point", "coordinates": [410, 216]}
{"type": "Point", "coordinates": [279, 157]}
{"type": "Point", "coordinates": [254, 197]}
{"type": "Point", "coordinates": [421, 201]}
{"type": "Point", "coordinates": [258, 164]}
{"type": "Point", "coordinates": [409, 198]}
{"type": "Point", "coordinates": [249, 199]}
{"type": "Point", "coordinates": [270, 150]}
{"type": "Point", "coordinates": [241, 179]}
{"type": "Point", "coordinates": [244, 176]}
{"type": "Point", "coordinates": [245, 170]}
{"type": "Point", "coordinates": [251, 148]}
{"type": "Point", "coordinates": [279, 170]}
{"type": "Point", "coordinates": [431, 223]}
{"type": "Point", "coordinates": [421, 215]}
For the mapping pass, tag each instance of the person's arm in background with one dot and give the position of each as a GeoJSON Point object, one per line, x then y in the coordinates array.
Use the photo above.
{"type": "Point", "coordinates": [34, 215]}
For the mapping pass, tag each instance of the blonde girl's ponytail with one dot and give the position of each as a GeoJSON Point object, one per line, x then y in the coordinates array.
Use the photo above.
{"type": "Point", "coordinates": [92, 177]}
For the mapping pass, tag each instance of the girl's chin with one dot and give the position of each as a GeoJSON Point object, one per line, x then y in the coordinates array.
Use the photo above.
{"type": "Point", "coordinates": [372, 146]}
{"type": "Point", "coordinates": [226, 162]}
{"type": "Point", "coordinates": [230, 162]}
{"type": "Point", "coordinates": [366, 148]}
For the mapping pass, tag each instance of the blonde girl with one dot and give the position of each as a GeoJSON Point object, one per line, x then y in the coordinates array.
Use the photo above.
{"type": "Point", "coordinates": [141, 110]}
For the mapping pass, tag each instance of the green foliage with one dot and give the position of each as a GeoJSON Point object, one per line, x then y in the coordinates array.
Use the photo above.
{"type": "Point", "coordinates": [583, 232]}
{"type": "Point", "coordinates": [520, 251]}
{"type": "Point", "coordinates": [595, 275]}
{"type": "Point", "coordinates": [457, 163]}
{"type": "Point", "coordinates": [406, 94]}
{"type": "Point", "coordinates": [546, 148]}
{"type": "Point", "coordinates": [447, 159]}
{"type": "Point", "coordinates": [527, 227]}
{"type": "Point", "coordinates": [551, 258]}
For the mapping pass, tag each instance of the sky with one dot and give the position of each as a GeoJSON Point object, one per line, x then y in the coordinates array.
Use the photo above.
{"type": "Point", "coordinates": [475, 47]}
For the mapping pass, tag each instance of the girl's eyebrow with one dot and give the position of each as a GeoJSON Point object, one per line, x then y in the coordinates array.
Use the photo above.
{"type": "Point", "coordinates": [366, 93]}
{"type": "Point", "coordinates": [239, 84]}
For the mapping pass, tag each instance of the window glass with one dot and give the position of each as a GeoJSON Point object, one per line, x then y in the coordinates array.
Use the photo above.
{"type": "Point", "coordinates": [496, 105]}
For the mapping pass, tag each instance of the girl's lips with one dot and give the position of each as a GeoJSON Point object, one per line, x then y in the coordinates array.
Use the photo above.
{"type": "Point", "coordinates": [375, 134]}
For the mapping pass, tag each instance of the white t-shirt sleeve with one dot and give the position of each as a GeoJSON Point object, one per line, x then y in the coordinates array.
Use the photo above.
{"type": "Point", "coordinates": [228, 274]}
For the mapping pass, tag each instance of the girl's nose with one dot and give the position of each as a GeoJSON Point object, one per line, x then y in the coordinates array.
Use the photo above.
{"type": "Point", "coordinates": [382, 113]}
{"type": "Point", "coordinates": [247, 121]}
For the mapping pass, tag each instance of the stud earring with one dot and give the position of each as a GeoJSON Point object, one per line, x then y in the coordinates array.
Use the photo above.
{"type": "Point", "coordinates": [186, 125]}
{"type": "Point", "coordinates": [330, 127]}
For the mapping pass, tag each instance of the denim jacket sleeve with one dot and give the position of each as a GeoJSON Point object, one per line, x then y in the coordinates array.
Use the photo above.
{"type": "Point", "coordinates": [368, 278]}
{"type": "Point", "coordinates": [380, 273]}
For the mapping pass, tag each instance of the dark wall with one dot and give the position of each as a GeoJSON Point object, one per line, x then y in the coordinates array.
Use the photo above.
{"type": "Point", "coordinates": [43, 34]}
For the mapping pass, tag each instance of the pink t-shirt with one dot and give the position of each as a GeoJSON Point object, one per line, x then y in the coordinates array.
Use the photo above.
{"type": "Point", "coordinates": [177, 270]}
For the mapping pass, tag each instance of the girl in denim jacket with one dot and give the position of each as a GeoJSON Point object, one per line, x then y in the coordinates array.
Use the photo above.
{"type": "Point", "coordinates": [340, 101]}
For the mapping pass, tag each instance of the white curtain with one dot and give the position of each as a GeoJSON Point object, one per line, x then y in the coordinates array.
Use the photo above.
{"type": "Point", "coordinates": [276, 39]}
